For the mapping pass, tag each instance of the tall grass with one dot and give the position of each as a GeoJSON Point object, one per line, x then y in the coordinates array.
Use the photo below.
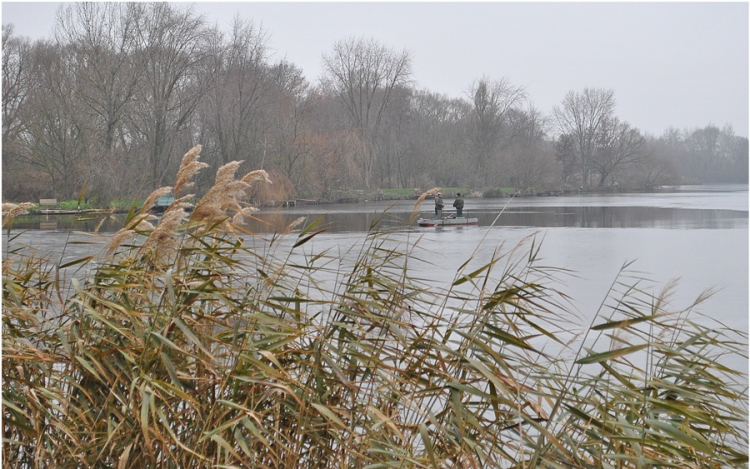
{"type": "Point", "coordinates": [183, 347]}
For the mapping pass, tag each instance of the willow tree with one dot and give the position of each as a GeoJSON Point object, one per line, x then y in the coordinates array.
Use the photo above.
{"type": "Point", "coordinates": [362, 75]}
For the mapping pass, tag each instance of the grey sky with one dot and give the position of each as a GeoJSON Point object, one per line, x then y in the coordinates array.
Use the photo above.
{"type": "Point", "coordinates": [683, 65]}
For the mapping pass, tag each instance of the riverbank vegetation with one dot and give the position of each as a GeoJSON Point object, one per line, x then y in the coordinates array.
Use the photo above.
{"type": "Point", "coordinates": [112, 100]}
{"type": "Point", "coordinates": [194, 344]}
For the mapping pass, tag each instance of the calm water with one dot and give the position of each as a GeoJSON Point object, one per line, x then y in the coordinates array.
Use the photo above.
{"type": "Point", "coordinates": [699, 237]}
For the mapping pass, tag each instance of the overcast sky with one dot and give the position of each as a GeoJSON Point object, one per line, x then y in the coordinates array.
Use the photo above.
{"type": "Point", "coordinates": [683, 65]}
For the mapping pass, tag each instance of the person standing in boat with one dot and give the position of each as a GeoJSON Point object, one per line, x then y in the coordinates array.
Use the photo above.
{"type": "Point", "coordinates": [439, 205]}
{"type": "Point", "coordinates": [459, 204]}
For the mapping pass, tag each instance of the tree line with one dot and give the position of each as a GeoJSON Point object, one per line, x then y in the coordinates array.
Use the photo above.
{"type": "Point", "coordinates": [111, 102]}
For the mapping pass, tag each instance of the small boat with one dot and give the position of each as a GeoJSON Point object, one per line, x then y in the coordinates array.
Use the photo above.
{"type": "Point", "coordinates": [447, 221]}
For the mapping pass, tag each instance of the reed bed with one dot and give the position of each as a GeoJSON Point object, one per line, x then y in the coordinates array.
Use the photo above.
{"type": "Point", "coordinates": [182, 347]}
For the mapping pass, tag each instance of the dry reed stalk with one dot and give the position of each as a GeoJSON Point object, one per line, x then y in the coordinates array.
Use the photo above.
{"type": "Point", "coordinates": [7, 264]}
{"type": "Point", "coordinates": [118, 238]}
{"type": "Point", "coordinates": [99, 225]}
{"type": "Point", "coordinates": [239, 217]}
{"type": "Point", "coordinates": [294, 224]}
{"type": "Point", "coordinates": [12, 210]}
{"type": "Point", "coordinates": [142, 222]}
{"type": "Point", "coordinates": [162, 239]}
{"type": "Point", "coordinates": [153, 197]}
{"type": "Point", "coordinates": [421, 198]}
{"type": "Point", "coordinates": [188, 168]}
{"type": "Point", "coordinates": [180, 203]}
{"type": "Point", "coordinates": [225, 195]}
{"type": "Point", "coordinates": [257, 175]}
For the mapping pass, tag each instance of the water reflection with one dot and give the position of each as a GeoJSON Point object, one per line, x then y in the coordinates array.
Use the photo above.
{"type": "Point", "coordinates": [83, 222]}
{"type": "Point", "coordinates": [279, 221]}
{"type": "Point", "coordinates": [47, 224]}
{"type": "Point", "coordinates": [337, 220]}
{"type": "Point", "coordinates": [543, 217]}
{"type": "Point", "coordinates": [715, 209]}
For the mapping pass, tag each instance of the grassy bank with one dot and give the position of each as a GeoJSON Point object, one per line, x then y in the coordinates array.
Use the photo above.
{"type": "Point", "coordinates": [182, 346]}
{"type": "Point", "coordinates": [117, 206]}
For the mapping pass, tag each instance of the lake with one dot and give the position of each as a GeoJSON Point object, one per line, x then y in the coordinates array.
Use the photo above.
{"type": "Point", "coordinates": [697, 235]}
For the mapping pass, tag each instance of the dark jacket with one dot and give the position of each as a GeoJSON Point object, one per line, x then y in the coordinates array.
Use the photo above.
{"type": "Point", "coordinates": [459, 202]}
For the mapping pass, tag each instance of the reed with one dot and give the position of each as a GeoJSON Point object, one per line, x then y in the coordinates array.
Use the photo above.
{"type": "Point", "coordinates": [187, 348]}
{"type": "Point", "coordinates": [12, 210]}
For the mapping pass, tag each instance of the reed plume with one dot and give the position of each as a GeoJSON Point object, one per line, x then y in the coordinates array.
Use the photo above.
{"type": "Point", "coordinates": [162, 240]}
{"type": "Point", "coordinates": [181, 203]}
{"type": "Point", "coordinates": [141, 221]}
{"type": "Point", "coordinates": [421, 198]}
{"type": "Point", "coordinates": [297, 222]}
{"type": "Point", "coordinates": [153, 197]}
{"type": "Point", "coordinates": [226, 194]}
{"type": "Point", "coordinates": [188, 168]}
{"type": "Point", "coordinates": [162, 236]}
{"type": "Point", "coordinates": [257, 175]}
{"type": "Point", "coordinates": [118, 238]}
{"type": "Point", "coordinates": [12, 210]}
{"type": "Point", "coordinates": [239, 216]}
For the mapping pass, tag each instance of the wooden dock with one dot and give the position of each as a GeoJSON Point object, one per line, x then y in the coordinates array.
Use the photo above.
{"type": "Point", "coordinates": [60, 211]}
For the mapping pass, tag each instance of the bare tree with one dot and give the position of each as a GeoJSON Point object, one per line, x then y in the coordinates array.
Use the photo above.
{"type": "Point", "coordinates": [717, 155]}
{"type": "Point", "coordinates": [493, 100]}
{"type": "Point", "coordinates": [176, 50]}
{"type": "Point", "coordinates": [655, 167]}
{"type": "Point", "coordinates": [531, 158]}
{"type": "Point", "coordinates": [439, 143]}
{"type": "Point", "coordinates": [619, 145]}
{"type": "Point", "coordinates": [565, 154]}
{"type": "Point", "coordinates": [233, 109]}
{"type": "Point", "coordinates": [102, 40]}
{"type": "Point", "coordinates": [392, 143]}
{"type": "Point", "coordinates": [581, 116]}
{"type": "Point", "coordinates": [707, 154]}
{"type": "Point", "coordinates": [18, 82]}
{"type": "Point", "coordinates": [533, 167]}
{"type": "Point", "coordinates": [55, 135]}
{"type": "Point", "coordinates": [528, 126]}
{"type": "Point", "coordinates": [289, 111]}
{"type": "Point", "coordinates": [362, 75]}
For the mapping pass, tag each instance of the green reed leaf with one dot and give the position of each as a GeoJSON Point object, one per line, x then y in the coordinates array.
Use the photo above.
{"type": "Point", "coordinates": [611, 354]}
